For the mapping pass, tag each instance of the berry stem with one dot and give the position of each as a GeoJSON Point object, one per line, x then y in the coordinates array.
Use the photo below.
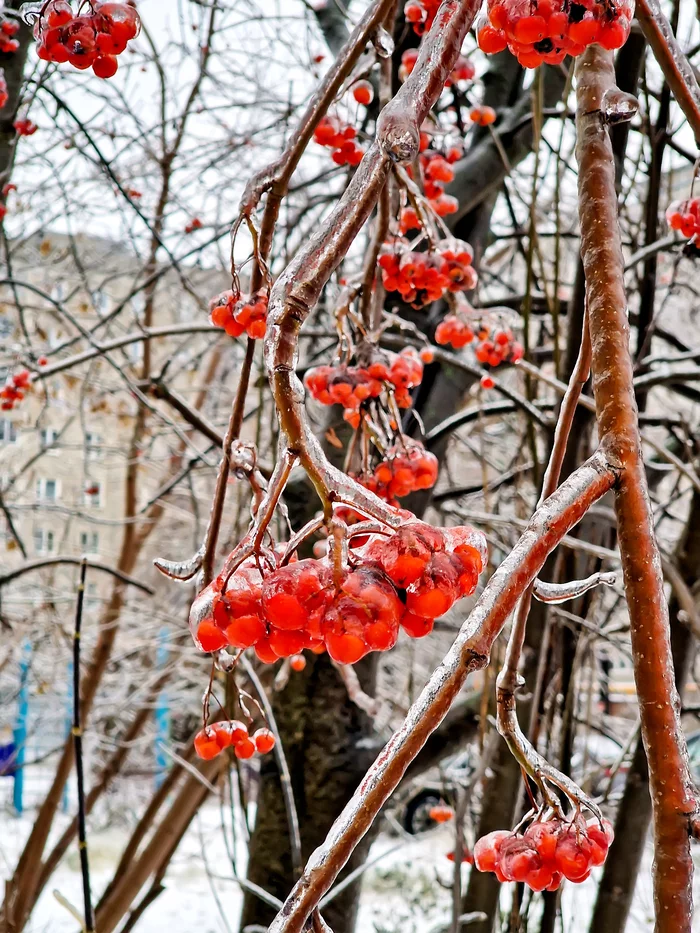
{"type": "Point", "coordinates": [508, 679]}
{"type": "Point", "coordinates": [232, 433]}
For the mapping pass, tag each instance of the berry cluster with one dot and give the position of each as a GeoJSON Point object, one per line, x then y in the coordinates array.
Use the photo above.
{"type": "Point", "coordinates": [408, 578]}
{"type": "Point", "coordinates": [4, 95]}
{"type": "Point", "coordinates": [420, 14]}
{"type": "Point", "coordinates": [546, 852]}
{"type": "Point", "coordinates": [25, 127]}
{"type": "Point", "coordinates": [424, 277]}
{"type": "Point", "coordinates": [340, 137]}
{"type": "Point", "coordinates": [238, 315]}
{"type": "Point", "coordinates": [15, 389]}
{"type": "Point", "coordinates": [350, 386]}
{"type": "Point", "coordinates": [194, 224]}
{"type": "Point", "coordinates": [8, 30]}
{"type": "Point", "coordinates": [495, 345]}
{"type": "Point", "coordinates": [538, 31]}
{"type": "Point", "coordinates": [482, 115]}
{"type": "Point", "coordinates": [89, 40]}
{"type": "Point", "coordinates": [463, 70]}
{"type": "Point", "coordinates": [436, 171]}
{"type": "Point", "coordinates": [685, 216]}
{"type": "Point", "coordinates": [212, 740]}
{"type": "Point", "coordinates": [406, 467]}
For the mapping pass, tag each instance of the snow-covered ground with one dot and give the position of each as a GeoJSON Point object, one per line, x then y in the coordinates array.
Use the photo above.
{"type": "Point", "coordinates": [406, 889]}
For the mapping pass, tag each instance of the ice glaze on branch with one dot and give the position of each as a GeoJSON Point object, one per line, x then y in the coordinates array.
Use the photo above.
{"type": "Point", "coordinates": [469, 652]}
{"type": "Point", "coordinates": [275, 177]}
{"type": "Point", "coordinates": [676, 68]}
{"type": "Point", "coordinates": [298, 288]}
{"type": "Point", "coordinates": [672, 796]}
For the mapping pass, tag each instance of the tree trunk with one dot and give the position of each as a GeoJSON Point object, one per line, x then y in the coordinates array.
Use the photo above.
{"type": "Point", "coordinates": [328, 745]}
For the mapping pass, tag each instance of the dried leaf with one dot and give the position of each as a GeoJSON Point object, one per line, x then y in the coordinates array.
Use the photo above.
{"type": "Point", "coordinates": [333, 439]}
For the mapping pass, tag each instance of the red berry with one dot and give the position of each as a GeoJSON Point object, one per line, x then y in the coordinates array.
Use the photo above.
{"type": "Point", "coordinates": [209, 637]}
{"type": "Point", "coordinates": [345, 648]}
{"type": "Point", "coordinates": [363, 92]}
{"type": "Point", "coordinates": [297, 662]}
{"type": "Point", "coordinates": [264, 741]}
{"type": "Point", "coordinates": [105, 66]}
{"type": "Point", "coordinates": [244, 749]}
{"type": "Point", "coordinates": [206, 745]}
{"type": "Point", "coordinates": [441, 813]}
{"type": "Point", "coordinates": [487, 849]}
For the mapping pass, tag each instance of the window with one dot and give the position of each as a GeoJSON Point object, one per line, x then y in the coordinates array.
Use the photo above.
{"type": "Point", "coordinates": [43, 541]}
{"type": "Point", "coordinates": [93, 445]}
{"type": "Point", "coordinates": [8, 432]}
{"type": "Point", "coordinates": [135, 351]}
{"type": "Point", "coordinates": [92, 495]}
{"type": "Point", "coordinates": [48, 436]}
{"type": "Point", "coordinates": [89, 542]}
{"type": "Point", "coordinates": [47, 490]}
{"type": "Point", "coordinates": [91, 595]}
{"type": "Point", "coordinates": [100, 302]}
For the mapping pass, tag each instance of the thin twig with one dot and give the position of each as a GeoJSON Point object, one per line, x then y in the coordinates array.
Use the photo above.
{"type": "Point", "coordinates": [78, 747]}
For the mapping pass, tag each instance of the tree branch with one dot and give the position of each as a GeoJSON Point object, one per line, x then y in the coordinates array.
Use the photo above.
{"type": "Point", "coordinates": [601, 252]}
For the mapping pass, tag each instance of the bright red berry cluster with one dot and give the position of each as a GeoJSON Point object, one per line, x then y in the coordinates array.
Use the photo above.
{"type": "Point", "coordinates": [436, 171]}
{"type": "Point", "coordinates": [350, 386]}
{"type": "Point", "coordinates": [408, 578]}
{"type": "Point", "coordinates": [237, 315]}
{"type": "Point", "coordinates": [15, 389]}
{"type": "Point", "coordinates": [8, 30]}
{"type": "Point", "coordinates": [424, 277]}
{"type": "Point", "coordinates": [546, 852]}
{"type": "Point", "coordinates": [194, 224]}
{"type": "Point", "coordinates": [340, 137]}
{"type": "Point", "coordinates": [685, 216]}
{"type": "Point", "coordinates": [4, 96]}
{"type": "Point", "coordinates": [538, 31]}
{"type": "Point", "coordinates": [494, 344]}
{"type": "Point", "coordinates": [212, 740]}
{"type": "Point", "coordinates": [89, 40]}
{"type": "Point", "coordinates": [405, 468]}
{"type": "Point", "coordinates": [25, 127]}
{"type": "Point", "coordinates": [420, 14]}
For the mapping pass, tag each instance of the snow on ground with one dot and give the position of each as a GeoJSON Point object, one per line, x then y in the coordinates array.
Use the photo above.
{"type": "Point", "coordinates": [407, 889]}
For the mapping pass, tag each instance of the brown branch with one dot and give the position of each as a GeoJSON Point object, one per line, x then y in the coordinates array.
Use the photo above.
{"type": "Point", "coordinates": [676, 68]}
{"type": "Point", "coordinates": [298, 288]}
{"type": "Point", "coordinates": [75, 562]}
{"type": "Point", "coordinates": [160, 391]}
{"type": "Point", "coordinates": [601, 251]}
{"type": "Point", "coordinates": [232, 433]}
{"type": "Point", "coordinates": [469, 653]}
{"type": "Point", "coordinates": [509, 678]}
{"type": "Point", "coordinates": [275, 178]}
